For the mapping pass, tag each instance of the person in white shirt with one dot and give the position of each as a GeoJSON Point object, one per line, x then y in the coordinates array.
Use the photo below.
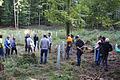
{"type": "Point", "coordinates": [97, 52]}
{"type": "Point", "coordinates": [30, 44]}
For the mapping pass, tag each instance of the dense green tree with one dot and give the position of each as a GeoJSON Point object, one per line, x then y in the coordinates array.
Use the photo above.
{"type": "Point", "coordinates": [71, 13]}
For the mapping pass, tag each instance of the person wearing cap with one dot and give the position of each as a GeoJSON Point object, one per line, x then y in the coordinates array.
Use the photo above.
{"type": "Point", "coordinates": [79, 45]}
{"type": "Point", "coordinates": [107, 47]}
{"type": "Point", "coordinates": [13, 46]}
{"type": "Point", "coordinates": [69, 44]}
{"type": "Point", "coordinates": [44, 45]}
{"type": "Point", "coordinates": [1, 47]}
{"type": "Point", "coordinates": [36, 42]}
{"type": "Point", "coordinates": [7, 46]}
{"type": "Point", "coordinates": [50, 41]}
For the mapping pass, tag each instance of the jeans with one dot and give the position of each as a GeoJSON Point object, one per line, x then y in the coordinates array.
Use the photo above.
{"type": "Point", "coordinates": [43, 51]}
{"type": "Point", "coordinates": [26, 47]}
{"type": "Point", "coordinates": [79, 53]}
{"type": "Point", "coordinates": [67, 51]}
{"type": "Point", "coordinates": [14, 49]}
{"type": "Point", "coordinates": [97, 57]}
{"type": "Point", "coordinates": [29, 48]}
{"type": "Point", "coordinates": [7, 52]}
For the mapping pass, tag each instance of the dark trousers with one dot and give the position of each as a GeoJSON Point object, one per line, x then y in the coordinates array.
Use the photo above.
{"type": "Point", "coordinates": [68, 51]}
{"type": "Point", "coordinates": [104, 60]}
{"type": "Point", "coordinates": [1, 52]}
{"type": "Point", "coordinates": [43, 51]}
{"type": "Point", "coordinates": [50, 47]}
{"type": "Point", "coordinates": [13, 49]}
{"type": "Point", "coordinates": [79, 53]}
{"type": "Point", "coordinates": [7, 52]}
{"type": "Point", "coordinates": [29, 49]}
{"type": "Point", "coordinates": [36, 45]}
{"type": "Point", "coordinates": [26, 47]}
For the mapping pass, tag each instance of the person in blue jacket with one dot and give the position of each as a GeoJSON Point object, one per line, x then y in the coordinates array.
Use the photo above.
{"type": "Point", "coordinates": [7, 46]}
{"type": "Point", "coordinates": [13, 46]}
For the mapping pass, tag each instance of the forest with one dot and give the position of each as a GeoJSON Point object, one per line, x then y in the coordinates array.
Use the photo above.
{"type": "Point", "coordinates": [73, 13]}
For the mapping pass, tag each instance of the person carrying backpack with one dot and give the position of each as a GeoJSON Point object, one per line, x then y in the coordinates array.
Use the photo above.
{"type": "Point", "coordinates": [79, 45]}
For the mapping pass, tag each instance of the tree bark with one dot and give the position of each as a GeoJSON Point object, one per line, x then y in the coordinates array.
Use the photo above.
{"type": "Point", "coordinates": [14, 14]}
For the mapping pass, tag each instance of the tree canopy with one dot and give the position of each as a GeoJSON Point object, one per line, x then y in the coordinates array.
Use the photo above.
{"type": "Point", "coordinates": [72, 13]}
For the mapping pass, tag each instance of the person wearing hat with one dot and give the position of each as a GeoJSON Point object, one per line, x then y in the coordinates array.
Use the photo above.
{"type": "Point", "coordinates": [44, 45]}
{"type": "Point", "coordinates": [79, 45]}
{"type": "Point", "coordinates": [7, 46]}
{"type": "Point", "coordinates": [107, 47]}
{"type": "Point", "coordinates": [1, 47]}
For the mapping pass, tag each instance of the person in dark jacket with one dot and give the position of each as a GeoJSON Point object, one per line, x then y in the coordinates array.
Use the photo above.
{"type": "Point", "coordinates": [13, 46]}
{"type": "Point", "coordinates": [36, 42]}
{"type": "Point", "coordinates": [79, 45]}
{"type": "Point", "coordinates": [27, 36]}
{"type": "Point", "coordinates": [106, 48]}
{"type": "Point", "coordinates": [101, 51]}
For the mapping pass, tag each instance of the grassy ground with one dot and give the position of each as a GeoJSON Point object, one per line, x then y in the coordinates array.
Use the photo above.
{"type": "Point", "coordinates": [23, 68]}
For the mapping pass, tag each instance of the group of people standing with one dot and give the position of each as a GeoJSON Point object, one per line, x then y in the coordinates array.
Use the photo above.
{"type": "Point", "coordinates": [33, 44]}
{"type": "Point", "coordinates": [102, 49]}
{"type": "Point", "coordinates": [71, 40]}
{"type": "Point", "coordinates": [9, 46]}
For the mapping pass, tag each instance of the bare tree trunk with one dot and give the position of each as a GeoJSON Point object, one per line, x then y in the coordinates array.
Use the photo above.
{"type": "Point", "coordinates": [15, 14]}
{"type": "Point", "coordinates": [39, 18]}
{"type": "Point", "coordinates": [17, 19]}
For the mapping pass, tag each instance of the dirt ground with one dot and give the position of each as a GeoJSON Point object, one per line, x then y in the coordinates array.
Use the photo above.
{"type": "Point", "coordinates": [88, 70]}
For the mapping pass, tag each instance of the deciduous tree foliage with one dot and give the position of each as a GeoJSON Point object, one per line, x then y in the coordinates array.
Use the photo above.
{"type": "Point", "coordinates": [71, 13]}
